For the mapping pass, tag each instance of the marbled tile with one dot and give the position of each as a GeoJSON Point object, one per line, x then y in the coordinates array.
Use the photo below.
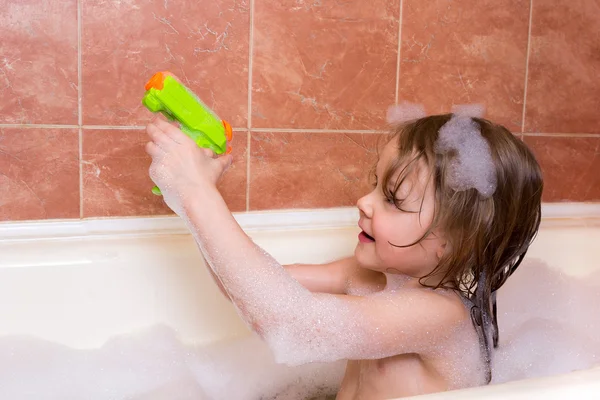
{"type": "Point", "coordinates": [324, 64]}
{"type": "Point", "coordinates": [571, 167]}
{"type": "Point", "coordinates": [309, 170]}
{"type": "Point", "coordinates": [469, 51]}
{"type": "Point", "coordinates": [564, 67]}
{"type": "Point", "coordinates": [38, 62]}
{"type": "Point", "coordinates": [39, 174]}
{"type": "Point", "coordinates": [116, 181]}
{"type": "Point", "coordinates": [125, 42]}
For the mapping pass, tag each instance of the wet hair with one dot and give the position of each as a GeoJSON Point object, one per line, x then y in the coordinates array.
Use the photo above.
{"type": "Point", "coordinates": [487, 236]}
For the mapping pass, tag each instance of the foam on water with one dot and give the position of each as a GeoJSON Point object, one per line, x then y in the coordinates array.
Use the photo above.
{"type": "Point", "coordinates": [155, 365]}
{"type": "Point", "coordinates": [548, 323]}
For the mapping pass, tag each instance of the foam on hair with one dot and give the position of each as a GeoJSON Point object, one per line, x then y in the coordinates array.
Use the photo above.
{"type": "Point", "coordinates": [472, 166]}
{"type": "Point", "coordinates": [404, 112]}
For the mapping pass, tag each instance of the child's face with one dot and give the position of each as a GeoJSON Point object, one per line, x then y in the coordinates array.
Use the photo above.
{"type": "Point", "coordinates": [384, 224]}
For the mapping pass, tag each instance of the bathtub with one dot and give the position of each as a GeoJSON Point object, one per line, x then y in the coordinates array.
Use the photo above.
{"type": "Point", "coordinates": [78, 283]}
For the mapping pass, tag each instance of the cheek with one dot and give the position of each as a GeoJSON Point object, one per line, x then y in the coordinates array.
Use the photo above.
{"type": "Point", "coordinates": [391, 231]}
{"type": "Point", "coordinates": [399, 229]}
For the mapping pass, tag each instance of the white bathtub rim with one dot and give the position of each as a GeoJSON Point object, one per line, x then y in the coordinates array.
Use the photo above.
{"type": "Point", "coordinates": [173, 225]}
{"type": "Point", "coordinates": [562, 214]}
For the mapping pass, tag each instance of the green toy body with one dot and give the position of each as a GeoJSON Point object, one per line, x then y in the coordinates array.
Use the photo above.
{"type": "Point", "coordinates": [165, 94]}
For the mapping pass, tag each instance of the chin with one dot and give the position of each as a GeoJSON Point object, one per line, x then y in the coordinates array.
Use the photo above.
{"type": "Point", "coordinates": [364, 257]}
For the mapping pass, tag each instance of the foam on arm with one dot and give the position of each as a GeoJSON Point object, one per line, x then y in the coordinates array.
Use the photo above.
{"type": "Point", "coordinates": [298, 325]}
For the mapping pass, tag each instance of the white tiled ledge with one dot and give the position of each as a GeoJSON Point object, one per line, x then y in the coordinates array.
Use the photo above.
{"type": "Point", "coordinates": [345, 217]}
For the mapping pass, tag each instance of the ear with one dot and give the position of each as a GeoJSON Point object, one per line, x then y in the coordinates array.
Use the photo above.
{"type": "Point", "coordinates": [443, 249]}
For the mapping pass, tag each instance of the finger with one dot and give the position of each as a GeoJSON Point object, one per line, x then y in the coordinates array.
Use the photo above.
{"type": "Point", "coordinates": [171, 131]}
{"type": "Point", "coordinates": [154, 150]}
{"type": "Point", "coordinates": [208, 152]}
{"type": "Point", "coordinates": [158, 136]}
{"type": "Point", "coordinates": [225, 162]}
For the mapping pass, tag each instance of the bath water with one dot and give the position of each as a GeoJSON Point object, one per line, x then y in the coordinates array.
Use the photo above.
{"type": "Point", "coordinates": [155, 365]}
{"type": "Point", "coordinates": [548, 323]}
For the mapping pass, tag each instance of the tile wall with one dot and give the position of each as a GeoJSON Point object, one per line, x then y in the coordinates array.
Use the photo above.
{"type": "Point", "coordinates": [305, 84]}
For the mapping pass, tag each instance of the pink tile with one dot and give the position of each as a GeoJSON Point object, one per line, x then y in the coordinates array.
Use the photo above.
{"type": "Point", "coordinates": [39, 174]}
{"type": "Point", "coordinates": [234, 183]}
{"type": "Point", "coordinates": [466, 52]}
{"type": "Point", "coordinates": [570, 166]}
{"type": "Point", "coordinates": [124, 43]}
{"type": "Point", "coordinates": [309, 170]}
{"type": "Point", "coordinates": [564, 67]}
{"type": "Point", "coordinates": [324, 64]}
{"type": "Point", "coordinates": [38, 62]}
{"type": "Point", "coordinates": [116, 181]}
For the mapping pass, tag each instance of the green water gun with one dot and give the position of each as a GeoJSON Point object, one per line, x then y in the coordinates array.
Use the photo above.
{"type": "Point", "coordinates": [166, 94]}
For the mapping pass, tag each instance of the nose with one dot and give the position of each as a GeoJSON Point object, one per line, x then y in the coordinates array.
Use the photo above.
{"type": "Point", "coordinates": [365, 205]}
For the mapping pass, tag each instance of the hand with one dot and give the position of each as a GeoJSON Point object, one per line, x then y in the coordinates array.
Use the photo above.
{"type": "Point", "coordinates": [179, 167]}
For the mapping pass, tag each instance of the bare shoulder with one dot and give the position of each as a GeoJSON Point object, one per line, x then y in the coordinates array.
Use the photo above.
{"type": "Point", "coordinates": [448, 302]}
{"type": "Point", "coordinates": [444, 306]}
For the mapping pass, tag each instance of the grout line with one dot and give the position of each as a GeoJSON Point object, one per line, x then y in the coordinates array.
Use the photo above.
{"type": "Point", "coordinates": [398, 57]}
{"type": "Point", "coordinates": [80, 173]}
{"type": "Point", "coordinates": [577, 135]}
{"type": "Point", "coordinates": [248, 153]}
{"type": "Point", "coordinates": [39, 126]}
{"type": "Point", "coordinates": [292, 130]}
{"type": "Point", "coordinates": [79, 64]}
{"type": "Point", "coordinates": [125, 128]}
{"type": "Point", "coordinates": [527, 66]}
{"type": "Point", "coordinates": [267, 130]}
{"type": "Point", "coordinates": [250, 62]}
{"type": "Point", "coordinates": [80, 106]}
{"type": "Point", "coordinates": [133, 127]}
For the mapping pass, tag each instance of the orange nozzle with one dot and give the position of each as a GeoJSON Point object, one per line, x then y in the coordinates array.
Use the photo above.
{"type": "Point", "coordinates": [229, 149]}
{"type": "Point", "coordinates": [157, 80]}
{"type": "Point", "coordinates": [228, 131]}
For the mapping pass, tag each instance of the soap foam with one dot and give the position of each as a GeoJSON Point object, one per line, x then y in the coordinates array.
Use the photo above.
{"type": "Point", "coordinates": [548, 324]}
{"type": "Point", "coordinates": [155, 365]}
{"type": "Point", "coordinates": [300, 327]}
{"type": "Point", "coordinates": [472, 166]}
{"type": "Point", "coordinates": [404, 112]}
{"type": "Point", "coordinates": [469, 110]}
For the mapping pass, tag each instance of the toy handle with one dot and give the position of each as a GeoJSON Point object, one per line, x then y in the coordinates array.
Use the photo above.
{"type": "Point", "coordinates": [229, 136]}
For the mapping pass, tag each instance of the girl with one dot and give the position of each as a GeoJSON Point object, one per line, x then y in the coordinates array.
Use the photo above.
{"type": "Point", "coordinates": [455, 204]}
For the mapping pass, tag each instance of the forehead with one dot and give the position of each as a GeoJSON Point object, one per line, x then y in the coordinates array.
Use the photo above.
{"type": "Point", "coordinates": [419, 170]}
{"type": "Point", "coordinates": [388, 155]}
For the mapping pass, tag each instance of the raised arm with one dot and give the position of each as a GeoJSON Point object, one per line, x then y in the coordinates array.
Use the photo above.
{"type": "Point", "coordinates": [301, 326]}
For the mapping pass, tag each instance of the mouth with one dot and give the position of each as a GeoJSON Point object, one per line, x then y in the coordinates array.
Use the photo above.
{"type": "Point", "coordinates": [364, 237]}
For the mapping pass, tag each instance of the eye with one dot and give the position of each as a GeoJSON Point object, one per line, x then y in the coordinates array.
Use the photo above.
{"type": "Point", "coordinates": [398, 205]}
{"type": "Point", "coordinates": [390, 198]}
{"type": "Point", "coordinates": [396, 202]}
